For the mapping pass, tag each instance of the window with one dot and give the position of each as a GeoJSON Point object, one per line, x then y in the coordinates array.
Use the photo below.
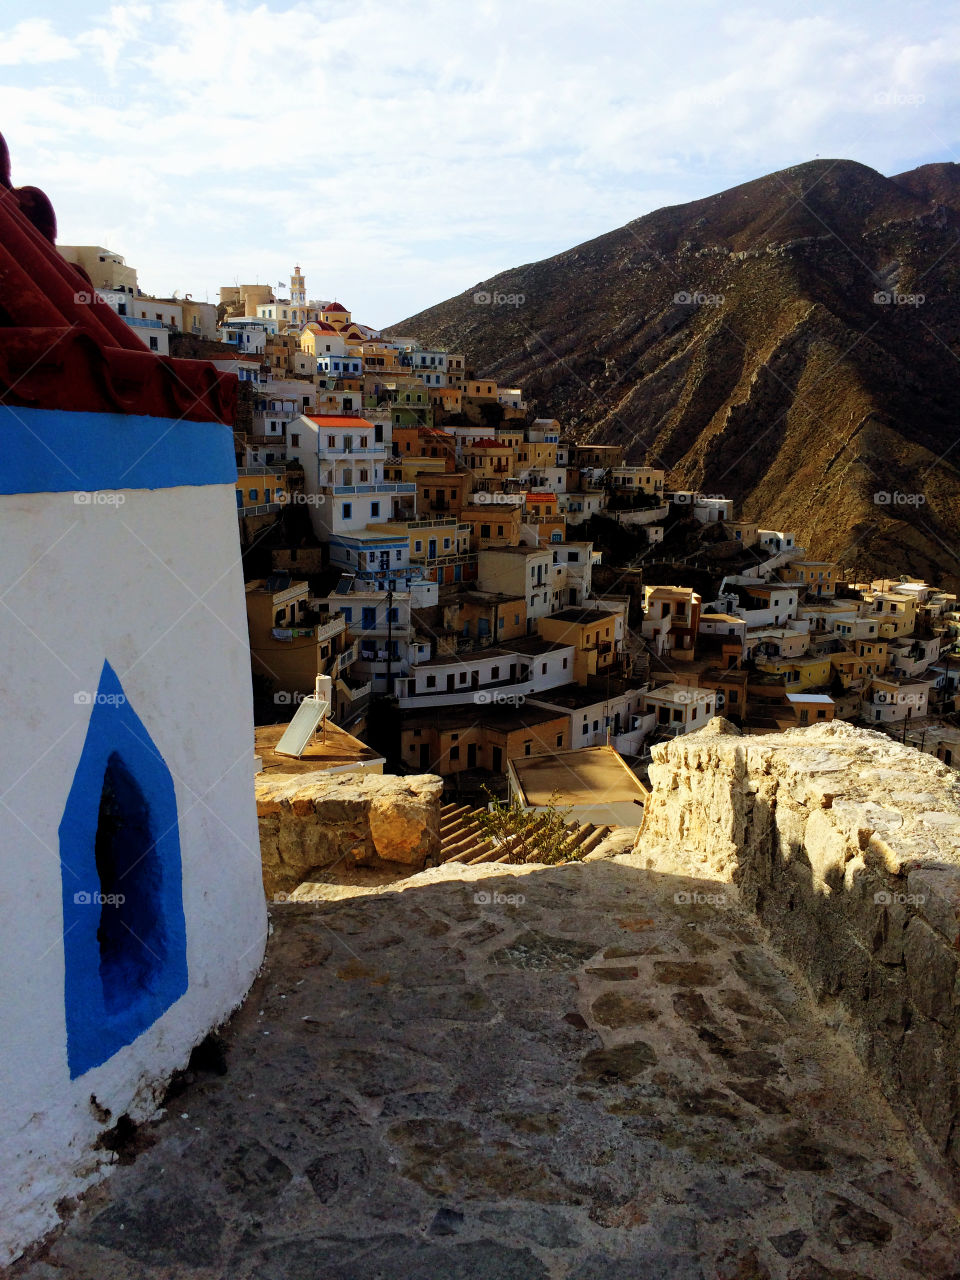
{"type": "Point", "coordinates": [431, 682]}
{"type": "Point", "coordinates": [516, 619]}
{"type": "Point", "coordinates": [559, 739]}
{"type": "Point", "coordinates": [154, 344]}
{"type": "Point", "coordinates": [347, 511]}
{"type": "Point", "coordinates": [565, 664]}
{"type": "Point", "coordinates": [454, 753]}
{"type": "Point", "coordinates": [463, 677]}
{"type": "Point", "coordinates": [677, 714]}
{"type": "Point", "coordinates": [526, 748]}
{"type": "Point", "coordinates": [254, 495]}
{"type": "Point", "coordinates": [374, 509]}
{"type": "Point", "coordinates": [347, 612]}
{"type": "Point", "coordinates": [494, 673]}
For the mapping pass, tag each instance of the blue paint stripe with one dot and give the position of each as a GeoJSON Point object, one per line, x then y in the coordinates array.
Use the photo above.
{"type": "Point", "coordinates": [56, 451]}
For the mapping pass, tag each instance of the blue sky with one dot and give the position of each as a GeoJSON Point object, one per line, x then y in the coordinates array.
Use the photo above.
{"type": "Point", "coordinates": [403, 152]}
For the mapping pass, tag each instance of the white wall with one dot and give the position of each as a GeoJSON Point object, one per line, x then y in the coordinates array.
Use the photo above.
{"type": "Point", "coordinates": [122, 583]}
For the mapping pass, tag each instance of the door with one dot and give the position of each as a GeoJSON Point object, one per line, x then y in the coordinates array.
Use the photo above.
{"type": "Point", "coordinates": [450, 684]}
{"type": "Point", "coordinates": [498, 760]}
{"type": "Point", "coordinates": [424, 756]}
{"type": "Point", "coordinates": [471, 755]}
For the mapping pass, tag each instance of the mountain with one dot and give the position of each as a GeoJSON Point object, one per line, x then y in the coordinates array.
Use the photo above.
{"type": "Point", "coordinates": [793, 343]}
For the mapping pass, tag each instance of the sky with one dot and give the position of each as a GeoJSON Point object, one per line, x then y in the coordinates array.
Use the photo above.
{"type": "Point", "coordinates": [402, 153]}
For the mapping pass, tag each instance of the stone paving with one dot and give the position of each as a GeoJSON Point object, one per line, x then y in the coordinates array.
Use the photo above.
{"type": "Point", "coordinates": [587, 1072]}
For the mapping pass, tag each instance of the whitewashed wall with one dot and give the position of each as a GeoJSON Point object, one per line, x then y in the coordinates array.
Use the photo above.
{"type": "Point", "coordinates": [154, 586]}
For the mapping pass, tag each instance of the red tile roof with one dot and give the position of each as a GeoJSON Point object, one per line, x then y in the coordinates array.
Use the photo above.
{"type": "Point", "coordinates": [65, 348]}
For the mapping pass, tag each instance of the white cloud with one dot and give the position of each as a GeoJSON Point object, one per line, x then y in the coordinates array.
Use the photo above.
{"type": "Point", "coordinates": [33, 41]}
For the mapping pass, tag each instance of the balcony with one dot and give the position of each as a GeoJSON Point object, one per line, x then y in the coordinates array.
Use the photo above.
{"type": "Point", "coordinates": [256, 442]}
{"type": "Point", "coordinates": [288, 634]}
{"type": "Point", "coordinates": [384, 487]}
{"type": "Point", "coordinates": [264, 509]}
{"type": "Point", "coordinates": [335, 626]}
{"type": "Point", "coordinates": [355, 693]}
{"type": "Point", "coordinates": [345, 659]}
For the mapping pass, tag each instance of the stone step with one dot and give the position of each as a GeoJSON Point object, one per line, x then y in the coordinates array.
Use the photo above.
{"type": "Point", "coordinates": [467, 837]}
{"type": "Point", "coordinates": [451, 812]}
{"type": "Point", "coordinates": [595, 838]}
{"type": "Point", "coordinates": [471, 853]}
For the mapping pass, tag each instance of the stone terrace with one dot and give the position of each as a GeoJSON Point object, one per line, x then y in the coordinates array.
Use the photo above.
{"type": "Point", "coordinates": [589, 1072]}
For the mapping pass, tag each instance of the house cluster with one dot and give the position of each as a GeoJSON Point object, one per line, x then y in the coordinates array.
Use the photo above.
{"type": "Point", "coordinates": [790, 640]}
{"type": "Point", "coordinates": [439, 557]}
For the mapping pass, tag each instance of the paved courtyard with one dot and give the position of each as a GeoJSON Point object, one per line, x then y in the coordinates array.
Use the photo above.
{"type": "Point", "coordinates": [588, 1072]}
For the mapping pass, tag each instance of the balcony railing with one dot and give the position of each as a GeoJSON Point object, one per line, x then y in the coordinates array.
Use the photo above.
{"type": "Point", "coordinates": [384, 487]}
{"type": "Point", "coordinates": [345, 659]}
{"type": "Point", "coordinates": [264, 509]}
{"type": "Point", "coordinates": [336, 625]}
{"type": "Point", "coordinates": [288, 634]}
{"type": "Point", "coordinates": [355, 694]}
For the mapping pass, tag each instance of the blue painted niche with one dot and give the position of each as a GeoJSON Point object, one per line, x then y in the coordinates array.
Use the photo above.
{"type": "Point", "coordinates": [124, 935]}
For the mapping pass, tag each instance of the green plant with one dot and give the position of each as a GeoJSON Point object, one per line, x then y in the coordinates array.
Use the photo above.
{"type": "Point", "coordinates": [529, 835]}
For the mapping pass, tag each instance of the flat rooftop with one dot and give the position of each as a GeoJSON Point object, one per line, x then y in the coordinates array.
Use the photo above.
{"type": "Point", "coordinates": [532, 645]}
{"type": "Point", "coordinates": [583, 617]}
{"type": "Point", "coordinates": [338, 750]}
{"type": "Point", "coordinates": [572, 696]}
{"type": "Point", "coordinates": [588, 776]}
{"type": "Point", "coordinates": [503, 718]}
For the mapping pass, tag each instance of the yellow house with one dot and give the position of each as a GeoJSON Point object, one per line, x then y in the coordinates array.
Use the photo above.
{"type": "Point", "coordinates": [819, 577]}
{"type": "Point", "coordinates": [447, 399]}
{"type": "Point", "coordinates": [375, 355]}
{"type": "Point", "coordinates": [535, 453]}
{"type": "Point", "coordinates": [896, 614]}
{"type": "Point", "coordinates": [873, 654]}
{"type": "Point", "coordinates": [480, 389]}
{"type": "Point", "coordinates": [493, 525]}
{"type": "Point", "coordinates": [743, 531]}
{"type": "Point", "coordinates": [648, 480]}
{"type": "Point", "coordinates": [811, 672]}
{"type": "Point", "coordinates": [489, 461]}
{"type": "Point", "coordinates": [597, 638]}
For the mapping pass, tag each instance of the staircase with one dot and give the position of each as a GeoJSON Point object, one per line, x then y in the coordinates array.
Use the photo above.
{"type": "Point", "coordinates": [462, 840]}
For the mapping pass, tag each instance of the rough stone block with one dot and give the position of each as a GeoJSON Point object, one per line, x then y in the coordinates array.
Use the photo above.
{"type": "Point", "coordinates": [931, 971]}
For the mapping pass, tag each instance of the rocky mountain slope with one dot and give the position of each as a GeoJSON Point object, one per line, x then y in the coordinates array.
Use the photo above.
{"type": "Point", "coordinates": [793, 343]}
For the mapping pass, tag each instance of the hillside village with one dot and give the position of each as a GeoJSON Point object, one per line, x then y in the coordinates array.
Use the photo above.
{"type": "Point", "coordinates": [316, 1018]}
{"type": "Point", "coordinates": [412, 529]}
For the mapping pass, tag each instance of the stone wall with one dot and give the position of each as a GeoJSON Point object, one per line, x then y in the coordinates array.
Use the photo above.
{"type": "Point", "coordinates": [314, 822]}
{"type": "Point", "coordinates": [847, 845]}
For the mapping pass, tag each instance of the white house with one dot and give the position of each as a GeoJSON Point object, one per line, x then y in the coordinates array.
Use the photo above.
{"type": "Point", "coordinates": [576, 507]}
{"type": "Point", "coordinates": [131, 870]}
{"type": "Point", "coordinates": [343, 459]}
{"type": "Point", "coordinates": [490, 677]}
{"type": "Point", "coordinates": [680, 708]}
